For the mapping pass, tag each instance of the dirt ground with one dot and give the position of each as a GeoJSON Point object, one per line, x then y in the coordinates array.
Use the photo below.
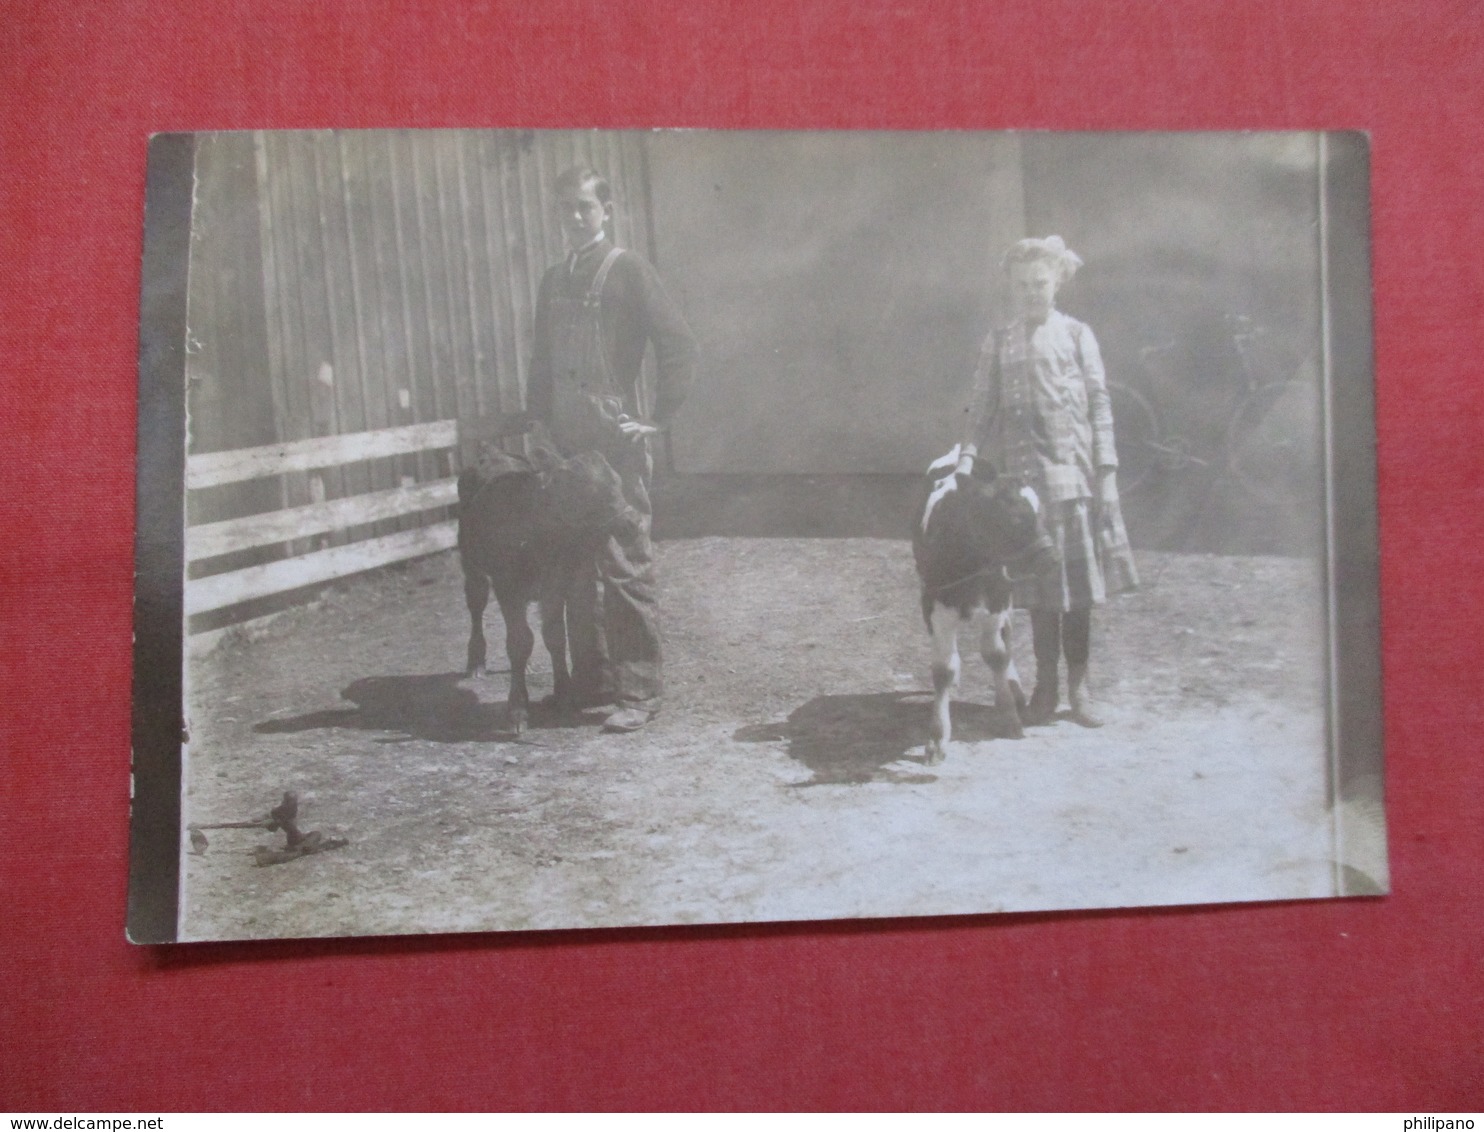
{"type": "Point", "coordinates": [784, 780]}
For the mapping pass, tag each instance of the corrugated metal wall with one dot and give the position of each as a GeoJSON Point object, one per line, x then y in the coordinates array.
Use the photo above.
{"type": "Point", "coordinates": [398, 274]}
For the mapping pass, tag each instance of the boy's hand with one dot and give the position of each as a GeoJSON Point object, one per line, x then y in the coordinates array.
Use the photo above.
{"type": "Point", "coordinates": [1108, 485]}
{"type": "Point", "coordinates": [634, 429]}
{"type": "Point", "coordinates": [965, 464]}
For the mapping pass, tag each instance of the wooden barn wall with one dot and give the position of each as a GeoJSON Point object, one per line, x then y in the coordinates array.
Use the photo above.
{"type": "Point", "coordinates": [344, 281]}
{"type": "Point", "coordinates": [229, 382]}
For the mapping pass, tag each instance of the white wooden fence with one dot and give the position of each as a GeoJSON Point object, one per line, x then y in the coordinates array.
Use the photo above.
{"type": "Point", "coordinates": [209, 540]}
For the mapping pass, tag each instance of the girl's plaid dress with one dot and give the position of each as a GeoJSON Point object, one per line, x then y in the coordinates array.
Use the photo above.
{"type": "Point", "coordinates": [1041, 411]}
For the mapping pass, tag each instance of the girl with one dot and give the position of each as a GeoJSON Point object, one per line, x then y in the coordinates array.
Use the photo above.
{"type": "Point", "coordinates": [1040, 411]}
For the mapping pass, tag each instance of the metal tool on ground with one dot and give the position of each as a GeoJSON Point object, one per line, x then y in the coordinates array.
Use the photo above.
{"type": "Point", "coordinates": [283, 816]}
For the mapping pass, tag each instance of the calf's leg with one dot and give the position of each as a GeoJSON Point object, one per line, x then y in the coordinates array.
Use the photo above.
{"type": "Point", "coordinates": [944, 623]}
{"type": "Point", "coordinates": [519, 641]}
{"type": "Point", "coordinates": [591, 682]}
{"type": "Point", "coordinates": [476, 597]}
{"type": "Point", "coordinates": [995, 647]}
{"type": "Point", "coordinates": [554, 635]}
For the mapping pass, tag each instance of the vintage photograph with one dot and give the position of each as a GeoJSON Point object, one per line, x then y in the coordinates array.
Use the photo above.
{"type": "Point", "coordinates": [586, 529]}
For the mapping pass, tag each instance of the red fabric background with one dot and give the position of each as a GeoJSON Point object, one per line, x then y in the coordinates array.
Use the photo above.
{"type": "Point", "coordinates": [1354, 1004]}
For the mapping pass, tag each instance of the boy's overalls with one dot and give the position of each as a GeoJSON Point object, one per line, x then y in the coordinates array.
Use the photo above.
{"type": "Point", "coordinates": [611, 615]}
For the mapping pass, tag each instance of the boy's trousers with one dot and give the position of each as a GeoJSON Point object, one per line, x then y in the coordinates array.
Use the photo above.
{"type": "Point", "coordinates": [613, 611]}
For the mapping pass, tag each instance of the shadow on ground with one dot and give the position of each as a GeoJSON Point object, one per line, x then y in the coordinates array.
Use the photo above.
{"type": "Point", "coordinates": [436, 708]}
{"type": "Point", "coordinates": [852, 739]}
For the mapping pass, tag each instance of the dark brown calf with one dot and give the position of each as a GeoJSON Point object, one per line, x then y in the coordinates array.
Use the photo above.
{"type": "Point", "coordinates": [526, 527]}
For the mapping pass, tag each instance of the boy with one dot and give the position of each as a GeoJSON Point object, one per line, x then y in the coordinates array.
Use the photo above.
{"type": "Point", "coordinates": [595, 315]}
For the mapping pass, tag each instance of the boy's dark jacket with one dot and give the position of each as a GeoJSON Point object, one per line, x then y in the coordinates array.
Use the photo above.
{"type": "Point", "coordinates": [635, 310]}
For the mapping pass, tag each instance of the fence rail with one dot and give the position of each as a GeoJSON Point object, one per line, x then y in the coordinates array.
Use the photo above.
{"type": "Point", "coordinates": [228, 536]}
{"type": "Point", "coordinates": [216, 468]}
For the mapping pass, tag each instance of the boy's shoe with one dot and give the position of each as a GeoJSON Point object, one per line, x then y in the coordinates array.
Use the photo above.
{"type": "Point", "coordinates": [628, 719]}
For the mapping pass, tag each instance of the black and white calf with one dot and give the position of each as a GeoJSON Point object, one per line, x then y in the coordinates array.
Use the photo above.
{"type": "Point", "coordinates": [972, 530]}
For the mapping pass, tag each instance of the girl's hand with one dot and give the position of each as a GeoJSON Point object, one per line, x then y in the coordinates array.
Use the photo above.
{"type": "Point", "coordinates": [965, 464]}
{"type": "Point", "coordinates": [1108, 485]}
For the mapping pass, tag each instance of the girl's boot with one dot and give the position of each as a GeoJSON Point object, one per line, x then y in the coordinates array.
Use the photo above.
{"type": "Point", "coordinates": [1046, 637]}
{"type": "Point", "coordinates": [1085, 710]}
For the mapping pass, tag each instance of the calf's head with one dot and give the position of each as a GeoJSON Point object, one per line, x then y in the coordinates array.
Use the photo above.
{"type": "Point", "coordinates": [1007, 518]}
{"type": "Point", "coordinates": [495, 474]}
{"type": "Point", "coordinates": [584, 496]}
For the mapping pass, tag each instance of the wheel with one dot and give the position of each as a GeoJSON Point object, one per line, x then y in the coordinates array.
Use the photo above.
{"type": "Point", "coordinates": [1138, 434]}
{"type": "Point", "coordinates": [1275, 444]}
